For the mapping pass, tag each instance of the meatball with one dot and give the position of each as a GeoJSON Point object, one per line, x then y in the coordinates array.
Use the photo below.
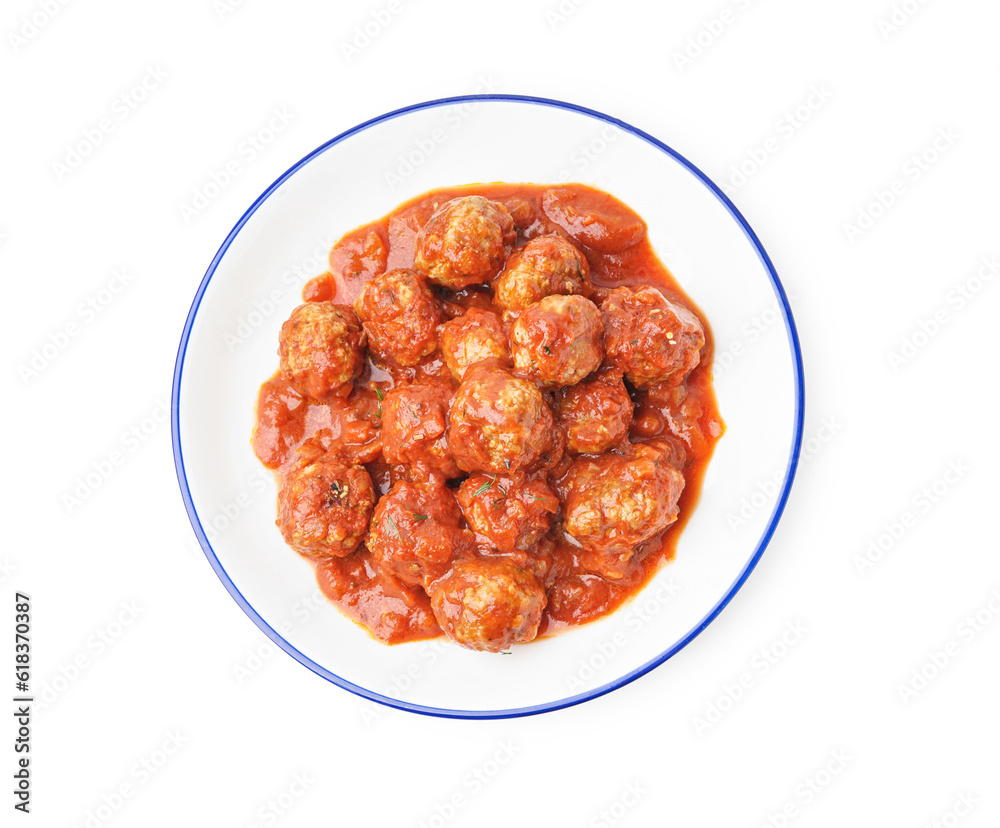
{"type": "Point", "coordinates": [414, 429]}
{"type": "Point", "coordinates": [498, 422]}
{"type": "Point", "coordinates": [324, 507]}
{"type": "Point", "coordinates": [649, 338]}
{"type": "Point", "coordinates": [510, 513]}
{"type": "Point", "coordinates": [614, 502]}
{"type": "Point", "coordinates": [400, 315]}
{"type": "Point", "coordinates": [544, 266]}
{"type": "Point", "coordinates": [475, 336]}
{"type": "Point", "coordinates": [322, 347]}
{"type": "Point", "coordinates": [558, 341]}
{"type": "Point", "coordinates": [416, 531]}
{"type": "Point", "coordinates": [596, 414]}
{"type": "Point", "coordinates": [466, 241]}
{"type": "Point", "coordinates": [488, 605]}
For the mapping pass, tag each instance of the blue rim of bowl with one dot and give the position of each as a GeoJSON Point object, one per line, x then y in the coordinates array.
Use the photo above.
{"type": "Point", "coordinates": [632, 675]}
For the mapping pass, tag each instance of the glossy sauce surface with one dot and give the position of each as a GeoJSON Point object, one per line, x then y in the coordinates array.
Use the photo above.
{"type": "Point", "coordinates": [682, 416]}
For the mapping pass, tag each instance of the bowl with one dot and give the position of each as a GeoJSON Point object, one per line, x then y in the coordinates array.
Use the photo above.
{"type": "Point", "coordinates": [228, 347]}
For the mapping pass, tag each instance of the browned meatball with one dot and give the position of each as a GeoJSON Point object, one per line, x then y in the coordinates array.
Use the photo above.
{"type": "Point", "coordinates": [649, 338]}
{"type": "Point", "coordinates": [615, 502]}
{"type": "Point", "coordinates": [466, 241]}
{"type": "Point", "coordinates": [324, 507]}
{"type": "Point", "coordinates": [414, 429]}
{"type": "Point", "coordinates": [321, 347]}
{"type": "Point", "coordinates": [488, 605]}
{"type": "Point", "coordinates": [596, 414]}
{"type": "Point", "coordinates": [545, 266]}
{"type": "Point", "coordinates": [475, 336]}
{"type": "Point", "coordinates": [511, 513]}
{"type": "Point", "coordinates": [400, 315]}
{"type": "Point", "coordinates": [416, 531]}
{"type": "Point", "coordinates": [498, 422]}
{"type": "Point", "coordinates": [558, 341]}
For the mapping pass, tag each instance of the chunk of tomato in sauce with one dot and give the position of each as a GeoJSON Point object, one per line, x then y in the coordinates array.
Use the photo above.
{"type": "Point", "coordinates": [355, 259]}
{"type": "Point", "coordinates": [280, 426]}
{"type": "Point", "coordinates": [596, 220]}
{"type": "Point", "coordinates": [392, 611]}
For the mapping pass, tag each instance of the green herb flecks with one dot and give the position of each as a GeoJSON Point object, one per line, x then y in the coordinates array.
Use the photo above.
{"type": "Point", "coordinates": [485, 486]}
{"type": "Point", "coordinates": [410, 409]}
{"type": "Point", "coordinates": [499, 500]}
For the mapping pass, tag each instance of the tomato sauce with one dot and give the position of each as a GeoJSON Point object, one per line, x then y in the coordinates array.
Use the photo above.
{"type": "Point", "coordinates": [290, 426]}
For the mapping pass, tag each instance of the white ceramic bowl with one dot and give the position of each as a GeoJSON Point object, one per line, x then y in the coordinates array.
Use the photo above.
{"type": "Point", "coordinates": [229, 347]}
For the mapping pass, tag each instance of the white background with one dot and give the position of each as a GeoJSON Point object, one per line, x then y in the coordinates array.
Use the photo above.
{"type": "Point", "coordinates": [166, 706]}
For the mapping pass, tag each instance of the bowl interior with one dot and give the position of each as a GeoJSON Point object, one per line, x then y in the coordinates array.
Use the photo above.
{"type": "Point", "coordinates": [230, 347]}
